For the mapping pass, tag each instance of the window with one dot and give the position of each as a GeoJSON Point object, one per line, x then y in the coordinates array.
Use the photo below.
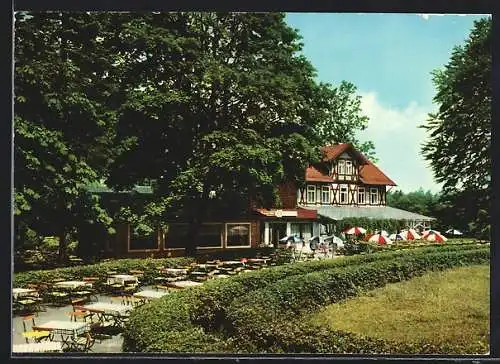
{"type": "Point", "coordinates": [343, 194]}
{"type": "Point", "coordinates": [325, 194]}
{"type": "Point", "coordinates": [311, 194]}
{"type": "Point", "coordinates": [348, 167]}
{"type": "Point", "coordinates": [210, 236]}
{"type": "Point", "coordinates": [176, 236]}
{"type": "Point", "coordinates": [143, 238]}
{"type": "Point", "coordinates": [341, 166]}
{"type": "Point", "coordinates": [361, 195]}
{"type": "Point", "coordinates": [373, 195]}
{"type": "Point", "coordinates": [238, 234]}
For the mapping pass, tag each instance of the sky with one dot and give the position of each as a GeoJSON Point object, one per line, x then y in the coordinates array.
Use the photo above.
{"type": "Point", "coordinates": [389, 57]}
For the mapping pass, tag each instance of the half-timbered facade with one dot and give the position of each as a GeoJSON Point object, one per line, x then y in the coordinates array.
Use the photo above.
{"type": "Point", "coordinates": [344, 184]}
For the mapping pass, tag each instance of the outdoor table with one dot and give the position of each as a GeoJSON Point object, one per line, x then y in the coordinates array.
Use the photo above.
{"type": "Point", "coordinates": [49, 346]}
{"type": "Point", "coordinates": [72, 284]}
{"type": "Point", "coordinates": [68, 330]}
{"type": "Point", "coordinates": [257, 260]}
{"type": "Point", "coordinates": [122, 279]}
{"type": "Point", "coordinates": [231, 262]}
{"type": "Point", "coordinates": [148, 294]}
{"type": "Point", "coordinates": [175, 271]}
{"type": "Point", "coordinates": [21, 292]}
{"type": "Point", "coordinates": [183, 284]}
{"type": "Point", "coordinates": [116, 312]}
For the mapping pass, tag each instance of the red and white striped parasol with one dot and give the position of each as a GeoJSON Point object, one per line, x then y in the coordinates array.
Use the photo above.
{"type": "Point", "coordinates": [410, 234]}
{"type": "Point", "coordinates": [435, 236]}
{"type": "Point", "coordinates": [380, 239]}
{"type": "Point", "coordinates": [356, 230]}
{"type": "Point", "coordinates": [427, 232]}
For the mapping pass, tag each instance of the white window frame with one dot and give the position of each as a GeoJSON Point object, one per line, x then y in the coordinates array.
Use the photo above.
{"type": "Point", "coordinates": [341, 166]}
{"type": "Point", "coordinates": [348, 167]}
{"type": "Point", "coordinates": [325, 192]}
{"type": "Point", "coordinates": [165, 246]}
{"type": "Point", "coordinates": [311, 189]}
{"type": "Point", "coordinates": [249, 235]}
{"type": "Point", "coordinates": [373, 192]}
{"type": "Point", "coordinates": [361, 192]}
{"type": "Point", "coordinates": [346, 190]}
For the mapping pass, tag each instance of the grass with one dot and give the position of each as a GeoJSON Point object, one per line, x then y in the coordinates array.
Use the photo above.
{"type": "Point", "coordinates": [450, 306]}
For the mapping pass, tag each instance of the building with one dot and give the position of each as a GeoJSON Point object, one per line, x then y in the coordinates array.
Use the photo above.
{"type": "Point", "coordinates": [345, 184]}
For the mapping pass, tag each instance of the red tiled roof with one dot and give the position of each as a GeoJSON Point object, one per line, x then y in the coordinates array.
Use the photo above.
{"type": "Point", "coordinates": [307, 214]}
{"type": "Point", "coordinates": [333, 151]}
{"type": "Point", "coordinates": [314, 175]}
{"type": "Point", "coordinates": [369, 172]}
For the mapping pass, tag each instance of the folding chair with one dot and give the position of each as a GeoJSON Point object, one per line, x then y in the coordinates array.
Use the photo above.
{"type": "Point", "coordinates": [36, 335]}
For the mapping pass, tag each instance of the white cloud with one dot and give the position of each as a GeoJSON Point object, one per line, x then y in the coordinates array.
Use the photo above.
{"type": "Point", "coordinates": [427, 16]}
{"type": "Point", "coordinates": [397, 139]}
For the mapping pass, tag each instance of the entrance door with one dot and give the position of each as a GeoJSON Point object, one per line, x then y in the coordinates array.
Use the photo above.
{"type": "Point", "coordinates": [277, 230]}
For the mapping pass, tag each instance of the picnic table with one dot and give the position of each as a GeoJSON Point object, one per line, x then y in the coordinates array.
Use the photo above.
{"type": "Point", "coordinates": [21, 292]}
{"type": "Point", "coordinates": [149, 294]}
{"type": "Point", "coordinates": [117, 313]}
{"type": "Point", "coordinates": [68, 330]}
{"type": "Point", "coordinates": [175, 271]}
{"type": "Point", "coordinates": [45, 347]}
{"type": "Point", "coordinates": [231, 263]}
{"type": "Point", "coordinates": [72, 284]}
{"type": "Point", "coordinates": [183, 284]}
{"type": "Point", "coordinates": [122, 279]}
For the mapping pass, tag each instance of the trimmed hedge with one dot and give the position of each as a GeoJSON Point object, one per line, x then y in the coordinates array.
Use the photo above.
{"type": "Point", "coordinates": [148, 265]}
{"type": "Point", "coordinates": [261, 320]}
{"type": "Point", "coordinates": [195, 319]}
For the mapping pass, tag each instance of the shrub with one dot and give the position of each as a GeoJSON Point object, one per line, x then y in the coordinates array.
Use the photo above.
{"type": "Point", "coordinates": [261, 319]}
{"type": "Point", "coordinates": [179, 322]}
{"type": "Point", "coordinates": [148, 265]}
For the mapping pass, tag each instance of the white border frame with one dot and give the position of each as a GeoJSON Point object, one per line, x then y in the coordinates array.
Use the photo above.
{"type": "Point", "coordinates": [158, 242]}
{"type": "Point", "coordinates": [221, 246]}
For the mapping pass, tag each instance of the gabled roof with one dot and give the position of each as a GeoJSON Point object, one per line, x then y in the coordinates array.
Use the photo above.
{"type": "Point", "coordinates": [314, 175]}
{"type": "Point", "coordinates": [333, 151]}
{"type": "Point", "coordinates": [369, 173]}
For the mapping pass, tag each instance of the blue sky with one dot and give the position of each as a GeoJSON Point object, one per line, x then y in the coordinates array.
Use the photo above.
{"type": "Point", "coordinates": [389, 57]}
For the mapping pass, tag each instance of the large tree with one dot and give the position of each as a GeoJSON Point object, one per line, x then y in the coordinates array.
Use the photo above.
{"type": "Point", "coordinates": [221, 108]}
{"type": "Point", "coordinates": [459, 142]}
{"type": "Point", "coordinates": [64, 120]}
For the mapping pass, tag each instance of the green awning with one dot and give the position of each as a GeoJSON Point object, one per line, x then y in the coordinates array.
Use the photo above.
{"type": "Point", "coordinates": [373, 212]}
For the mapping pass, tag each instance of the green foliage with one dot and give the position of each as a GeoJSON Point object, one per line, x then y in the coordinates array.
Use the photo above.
{"type": "Point", "coordinates": [261, 319]}
{"type": "Point", "coordinates": [148, 265]}
{"type": "Point", "coordinates": [420, 201]}
{"type": "Point", "coordinates": [459, 143]}
{"type": "Point", "coordinates": [203, 310]}
{"type": "Point", "coordinates": [342, 117]}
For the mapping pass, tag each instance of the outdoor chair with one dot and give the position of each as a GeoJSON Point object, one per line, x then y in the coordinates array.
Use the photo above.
{"type": "Point", "coordinates": [36, 335]}
{"type": "Point", "coordinates": [75, 315]}
{"type": "Point", "coordinates": [26, 305]}
{"type": "Point", "coordinates": [83, 343]}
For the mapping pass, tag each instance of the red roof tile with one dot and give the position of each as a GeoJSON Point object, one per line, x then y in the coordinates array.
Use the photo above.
{"type": "Point", "coordinates": [369, 172]}
{"type": "Point", "coordinates": [314, 175]}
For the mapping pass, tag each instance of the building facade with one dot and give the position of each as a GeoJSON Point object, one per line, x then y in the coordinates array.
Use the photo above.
{"type": "Point", "coordinates": [344, 184]}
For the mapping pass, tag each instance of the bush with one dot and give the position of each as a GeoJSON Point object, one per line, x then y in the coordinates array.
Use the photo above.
{"type": "Point", "coordinates": [196, 319]}
{"type": "Point", "coordinates": [260, 320]}
{"type": "Point", "coordinates": [148, 265]}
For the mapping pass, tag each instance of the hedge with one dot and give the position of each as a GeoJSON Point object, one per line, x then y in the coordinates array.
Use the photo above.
{"type": "Point", "coordinates": [148, 265]}
{"type": "Point", "coordinates": [262, 320]}
{"type": "Point", "coordinates": [194, 320]}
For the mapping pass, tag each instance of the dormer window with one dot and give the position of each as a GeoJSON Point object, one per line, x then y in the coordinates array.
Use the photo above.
{"type": "Point", "coordinates": [348, 167]}
{"type": "Point", "coordinates": [342, 166]}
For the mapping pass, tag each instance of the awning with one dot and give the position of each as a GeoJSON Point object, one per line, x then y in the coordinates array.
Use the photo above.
{"type": "Point", "coordinates": [373, 212]}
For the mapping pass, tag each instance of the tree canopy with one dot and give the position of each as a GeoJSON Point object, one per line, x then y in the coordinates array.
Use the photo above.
{"type": "Point", "coordinates": [213, 108]}
{"type": "Point", "coordinates": [459, 143]}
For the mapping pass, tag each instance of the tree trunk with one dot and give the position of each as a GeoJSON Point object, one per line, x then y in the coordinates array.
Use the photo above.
{"type": "Point", "coordinates": [62, 247]}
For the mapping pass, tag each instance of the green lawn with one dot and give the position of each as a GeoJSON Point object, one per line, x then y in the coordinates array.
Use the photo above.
{"type": "Point", "coordinates": [451, 306]}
